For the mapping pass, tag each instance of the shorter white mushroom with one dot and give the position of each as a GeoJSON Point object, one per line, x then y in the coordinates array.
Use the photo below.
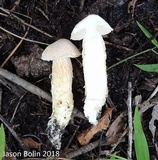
{"type": "Point", "coordinates": [91, 29]}
{"type": "Point", "coordinates": [61, 87]}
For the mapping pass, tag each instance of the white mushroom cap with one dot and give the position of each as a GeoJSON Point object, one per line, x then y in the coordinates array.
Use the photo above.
{"type": "Point", "coordinates": [59, 49]}
{"type": "Point", "coordinates": [90, 22]}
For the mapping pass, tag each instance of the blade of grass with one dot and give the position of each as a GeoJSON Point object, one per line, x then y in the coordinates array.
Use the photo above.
{"type": "Point", "coordinates": [148, 67]}
{"type": "Point", "coordinates": [2, 141]}
{"type": "Point", "coordinates": [131, 57]}
{"type": "Point", "coordinates": [140, 143]}
{"type": "Point", "coordinates": [148, 34]}
{"type": "Point", "coordinates": [154, 51]}
{"type": "Point", "coordinates": [117, 157]}
{"type": "Point", "coordinates": [114, 157]}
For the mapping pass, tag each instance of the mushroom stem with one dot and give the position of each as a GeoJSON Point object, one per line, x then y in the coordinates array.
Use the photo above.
{"type": "Point", "coordinates": [91, 29]}
{"type": "Point", "coordinates": [95, 75]}
{"type": "Point", "coordinates": [60, 53]}
{"type": "Point", "coordinates": [62, 99]}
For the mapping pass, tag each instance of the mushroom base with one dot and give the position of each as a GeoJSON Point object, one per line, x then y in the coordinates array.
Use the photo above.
{"type": "Point", "coordinates": [55, 132]}
{"type": "Point", "coordinates": [62, 99]}
{"type": "Point", "coordinates": [95, 75]}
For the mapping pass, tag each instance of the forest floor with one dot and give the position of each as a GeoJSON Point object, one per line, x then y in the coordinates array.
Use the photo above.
{"type": "Point", "coordinates": [27, 27]}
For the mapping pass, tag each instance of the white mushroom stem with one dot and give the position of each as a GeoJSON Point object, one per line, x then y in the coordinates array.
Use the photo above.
{"type": "Point", "coordinates": [95, 74]}
{"type": "Point", "coordinates": [62, 98]}
{"type": "Point", "coordinates": [61, 90]}
{"type": "Point", "coordinates": [60, 53]}
{"type": "Point", "coordinates": [91, 29]}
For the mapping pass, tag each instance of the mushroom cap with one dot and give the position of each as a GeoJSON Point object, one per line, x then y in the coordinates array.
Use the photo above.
{"type": "Point", "coordinates": [60, 48]}
{"type": "Point", "coordinates": [91, 21]}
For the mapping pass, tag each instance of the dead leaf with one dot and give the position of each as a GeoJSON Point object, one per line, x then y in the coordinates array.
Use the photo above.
{"type": "Point", "coordinates": [131, 6]}
{"type": "Point", "coordinates": [30, 143]}
{"type": "Point", "coordinates": [115, 129]}
{"type": "Point", "coordinates": [34, 65]}
{"type": "Point", "coordinates": [117, 125]}
{"type": "Point", "coordinates": [15, 5]}
{"type": "Point", "coordinates": [152, 126]}
{"type": "Point", "coordinates": [147, 84]}
{"type": "Point", "coordinates": [85, 137]}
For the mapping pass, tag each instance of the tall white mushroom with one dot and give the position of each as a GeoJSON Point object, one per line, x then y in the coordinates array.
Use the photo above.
{"type": "Point", "coordinates": [61, 87]}
{"type": "Point", "coordinates": [91, 29]}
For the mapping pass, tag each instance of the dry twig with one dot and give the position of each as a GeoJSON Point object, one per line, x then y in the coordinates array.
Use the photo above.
{"type": "Point", "coordinates": [153, 94]}
{"type": "Point", "coordinates": [72, 137]}
{"type": "Point", "coordinates": [13, 132]}
{"type": "Point", "coordinates": [26, 39]}
{"type": "Point", "coordinates": [130, 121]}
{"type": "Point", "coordinates": [94, 145]}
{"type": "Point", "coordinates": [81, 5]}
{"type": "Point", "coordinates": [83, 149]}
{"type": "Point", "coordinates": [0, 97]}
{"type": "Point", "coordinates": [131, 6]}
{"type": "Point", "coordinates": [147, 104]}
{"type": "Point", "coordinates": [26, 85]}
{"type": "Point", "coordinates": [32, 88]}
{"type": "Point", "coordinates": [18, 91]}
{"type": "Point", "coordinates": [118, 142]}
{"type": "Point", "coordinates": [119, 46]}
{"type": "Point", "coordinates": [23, 22]}
{"type": "Point", "coordinates": [14, 50]}
{"type": "Point", "coordinates": [16, 108]}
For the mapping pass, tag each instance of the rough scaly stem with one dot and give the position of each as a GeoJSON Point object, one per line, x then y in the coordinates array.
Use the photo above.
{"type": "Point", "coordinates": [62, 99]}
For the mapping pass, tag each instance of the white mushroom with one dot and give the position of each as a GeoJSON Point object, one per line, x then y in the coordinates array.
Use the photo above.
{"type": "Point", "coordinates": [61, 87]}
{"type": "Point", "coordinates": [91, 29]}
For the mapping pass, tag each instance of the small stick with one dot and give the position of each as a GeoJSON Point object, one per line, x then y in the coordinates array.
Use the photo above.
{"type": "Point", "coordinates": [83, 149]}
{"type": "Point", "coordinates": [94, 145]}
{"type": "Point", "coordinates": [18, 91]}
{"type": "Point", "coordinates": [67, 146]}
{"type": "Point", "coordinates": [14, 50]}
{"type": "Point", "coordinates": [130, 57]}
{"type": "Point", "coordinates": [0, 97]}
{"type": "Point", "coordinates": [16, 108]}
{"type": "Point", "coordinates": [146, 105]}
{"type": "Point", "coordinates": [146, 42]}
{"type": "Point", "coordinates": [23, 22]}
{"type": "Point", "coordinates": [130, 122]}
{"type": "Point", "coordinates": [22, 145]}
{"type": "Point", "coordinates": [153, 94]}
{"type": "Point", "coordinates": [119, 46]}
{"type": "Point", "coordinates": [81, 5]}
{"type": "Point", "coordinates": [2, 14]}
{"type": "Point", "coordinates": [46, 6]}
{"type": "Point", "coordinates": [118, 142]}
{"type": "Point", "coordinates": [28, 86]}
{"type": "Point", "coordinates": [26, 39]}
{"type": "Point", "coordinates": [40, 10]}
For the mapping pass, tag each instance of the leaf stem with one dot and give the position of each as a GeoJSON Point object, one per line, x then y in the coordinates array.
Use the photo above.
{"type": "Point", "coordinates": [154, 51]}
{"type": "Point", "coordinates": [128, 58]}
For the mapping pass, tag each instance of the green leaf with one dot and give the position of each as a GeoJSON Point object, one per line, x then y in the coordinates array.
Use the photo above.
{"type": "Point", "coordinates": [140, 143]}
{"type": "Point", "coordinates": [114, 157]}
{"type": "Point", "coordinates": [148, 67]}
{"type": "Point", "coordinates": [147, 34]}
{"type": "Point", "coordinates": [2, 141]}
{"type": "Point", "coordinates": [117, 157]}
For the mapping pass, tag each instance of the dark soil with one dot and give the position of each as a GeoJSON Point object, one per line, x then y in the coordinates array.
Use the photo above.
{"type": "Point", "coordinates": [58, 18]}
